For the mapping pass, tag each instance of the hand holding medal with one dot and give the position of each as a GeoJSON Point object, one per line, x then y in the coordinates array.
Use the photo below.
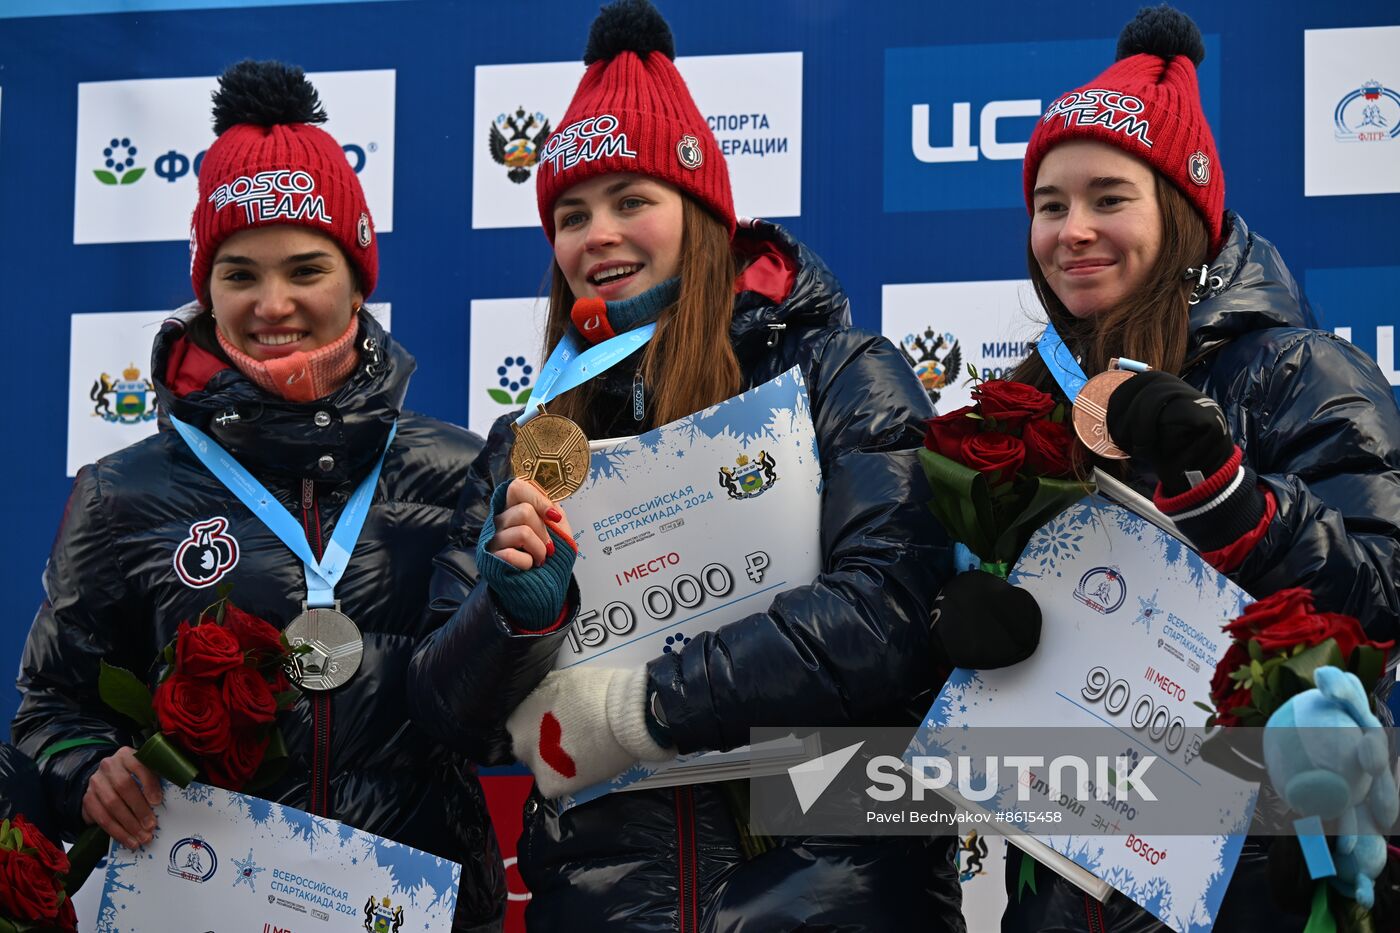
{"type": "Point", "coordinates": [522, 528]}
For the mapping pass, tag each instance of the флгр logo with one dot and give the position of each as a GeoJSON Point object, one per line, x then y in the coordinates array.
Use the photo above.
{"type": "Point", "coordinates": [1368, 114]}
{"type": "Point", "coordinates": [1102, 589]}
{"type": "Point", "coordinates": [192, 859]}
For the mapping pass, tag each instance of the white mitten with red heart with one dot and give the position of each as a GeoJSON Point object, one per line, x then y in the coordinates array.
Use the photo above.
{"type": "Point", "coordinates": [582, 726]}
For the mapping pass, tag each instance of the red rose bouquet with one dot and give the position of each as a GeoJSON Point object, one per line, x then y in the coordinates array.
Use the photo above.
{"type": "Point", "coordinates": [1000, 469]}
{"type": "Point", "coordinates": [1280, 645]}
{"type": "Point", "coordinates": [214, 710]}
{"type": "Point", "coordinates": [32, 874]}
{"type": "Point", "coordinates": [1277, 644]}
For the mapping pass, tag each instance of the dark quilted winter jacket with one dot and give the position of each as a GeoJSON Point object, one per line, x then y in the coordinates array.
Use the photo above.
{"type": "Point", "coordinates": [849, 648]}
{"type": "Point", "coordinates": [1318, 423]}
{"type": "Point", "coordinates": [115, 592]}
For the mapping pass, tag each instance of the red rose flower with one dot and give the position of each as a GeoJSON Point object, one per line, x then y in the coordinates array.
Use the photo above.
{"type": "Point", "coordinates": [946, 432]}
{"type": "Point", "coordinates": [236, 767]}
{"type": "Point", "coordinates": [253, 634]}
{"type": "Point", "coordinates": [67, 920]}
{"type": "Point", "coordinates": [52, 857]}
{"type": "Point", "coordinates": [1050, 448]}
{"type": "Point", "coordinates": [192, 712]}
{"type": "Point", "coordinates": [1285, 604]}
{"type": "Point", "coordinates": [1221, 686]}
{"type": "Point", "coordinates": [1225, 710]}
{"type": "Point", "coordinates": [1287, 618]}
{"type": "Point", "coordinates": [206, 650]}
{"type": "Point", "coordinates": [1011, 404]}
{"type": "Point", "coordinates": [996, 456]}
{"type": "Point", "coordinates": [248, 697]}
{"type": "Point", "coordinates": [27, 888]}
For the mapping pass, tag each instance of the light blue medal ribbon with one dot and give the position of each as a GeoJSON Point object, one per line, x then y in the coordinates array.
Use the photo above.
{"type": "Point", "coordinates": [1065, 369]}
{"type": "Point", "coordinates": [567, 367]}
{"type": "Point", "coordinates": [322, 575]}
{"type": "Point", "coordinates": [570, 365]}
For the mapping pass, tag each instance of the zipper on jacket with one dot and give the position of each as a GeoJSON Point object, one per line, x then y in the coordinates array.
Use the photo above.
{"type": "Point", "coordinates": [688, 913]}
{"type": "Point", "coordinates": [320, 701]}
{"type": "Point", "coordinates": [1093, 913]}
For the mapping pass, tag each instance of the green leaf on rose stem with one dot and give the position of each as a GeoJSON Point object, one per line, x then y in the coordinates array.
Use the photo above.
{"type": "Point", "coordinates": [276, 746]}
{"type": "Point", "coordinates": [973, 374]}
{"type": "Point", "coordinates": [960, 501]}
{"type": "Point", "coordinates": [286, 699]}
{"type": "Point", "coordinates": [1049, 498]}
{"type": "Point", "coordinates": [7, 926]}
{"type": "Point", "coordinates": [500, 396]}
{"type": "Point", "coordinates": [1058, 415]}
{"type": "Point", "coordinates": [1368, 664]}
{"type": "Point", "coordinates": [167, 759]}
{"type": "Point", "coordinates": [1203, 706]}
{"type": "Point", "coordinates": [1256, 670]}
{"type": "Point", "coordinates": [1320, 655]}
{"type": "Point", "coordinates": [1256, 653]}
{"type": "Point", "coordinates": [124, 692]}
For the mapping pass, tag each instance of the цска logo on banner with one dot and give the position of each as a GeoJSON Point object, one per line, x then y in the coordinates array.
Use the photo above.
{"type": "Point", "coordinates": [958, 118]}
{"type": "Point", "coordinates": [141, 145]}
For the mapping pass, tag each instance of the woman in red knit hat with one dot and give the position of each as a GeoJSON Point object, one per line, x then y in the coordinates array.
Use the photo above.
{"type": "Point", "coordinates": [278, 368]}
{"type": "Point", "coordinates": [634, 196]}
{"type": "Point", "coordinates": [1275, 447]}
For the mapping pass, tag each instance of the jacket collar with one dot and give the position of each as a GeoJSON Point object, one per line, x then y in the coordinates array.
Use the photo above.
{"type": "Point", "coordinates": [271, 436]}
{"type": "Point", "coordinates": [1248, 288]}
{"type": "Point", "coordinates": [813, 298]}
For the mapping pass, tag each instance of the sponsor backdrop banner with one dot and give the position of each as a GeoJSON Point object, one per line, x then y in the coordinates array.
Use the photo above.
{"type": "Point", "coordinates": [887, 137]}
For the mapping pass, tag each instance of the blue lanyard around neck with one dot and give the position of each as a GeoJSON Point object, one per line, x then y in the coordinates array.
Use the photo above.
{"type": "Point", "coordinates": [322, 575]}
{"type": "Point", "coordinates": [1065, 369]}
{"type": "Point", "coordinates": [567, 367]}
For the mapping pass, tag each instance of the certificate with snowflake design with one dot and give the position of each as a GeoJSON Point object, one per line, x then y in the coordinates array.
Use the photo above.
{"type": "Point", "coordinates": [1123, 603]}
{"type": "Point", "coordinates": [688, 527]}
{"type": "Point", "coordinates": [229, 862]}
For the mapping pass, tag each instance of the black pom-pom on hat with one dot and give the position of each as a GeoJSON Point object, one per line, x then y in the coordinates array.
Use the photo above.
{"type": "Point", "coordinates": [628, 26]}
{"type": "Point", "coordinates": [1162, 31]}
{"type": "Point", "coordinates": [265, 94]}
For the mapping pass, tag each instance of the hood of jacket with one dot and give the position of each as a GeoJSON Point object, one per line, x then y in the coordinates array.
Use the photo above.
{"type": "Point", "coordinates": [1247, 288]}
{"type": "Point", "coordinates": [333, 439]}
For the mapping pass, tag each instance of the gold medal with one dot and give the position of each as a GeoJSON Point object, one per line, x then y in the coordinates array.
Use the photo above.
{"type": "Point", "coordinates": [551, 451]}
{"type": "Point", "coordinates": [1090, 412]}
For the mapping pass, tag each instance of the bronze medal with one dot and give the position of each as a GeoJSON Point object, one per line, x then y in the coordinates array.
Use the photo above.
{"type": "Point", "coordinates": [333, 653]}
{"type": "Point", "coordinates": [1090, 413]}
{"type": "Point", "coordinates": [552, 452]}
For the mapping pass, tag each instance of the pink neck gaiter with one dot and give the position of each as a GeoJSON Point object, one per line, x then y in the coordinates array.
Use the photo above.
{"type": "Point", "coordinates": [303, 376]}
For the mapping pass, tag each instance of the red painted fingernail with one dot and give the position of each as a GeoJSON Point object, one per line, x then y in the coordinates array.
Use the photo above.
{"type": "Point", "coordinates": [549, 549]}
{"type": "Point", "coordinates": [554, 514]}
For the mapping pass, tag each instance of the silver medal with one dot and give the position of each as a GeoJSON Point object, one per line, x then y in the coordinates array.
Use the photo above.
{"type": "Point", "coordinates": [335, 644]}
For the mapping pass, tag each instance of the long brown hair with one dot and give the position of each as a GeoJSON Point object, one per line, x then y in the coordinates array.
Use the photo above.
{"type": "Point", "coordinates": [689, 364]}
{"type": "Point", "coordinates": [1150, 324]}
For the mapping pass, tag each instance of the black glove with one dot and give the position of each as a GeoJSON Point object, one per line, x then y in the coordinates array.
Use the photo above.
{"type": "Point", "coordinates": [1169, 427]}
{"type": "Point", "coordinates": [983, 622]}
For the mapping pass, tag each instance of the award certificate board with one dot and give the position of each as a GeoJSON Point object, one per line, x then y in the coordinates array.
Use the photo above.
{"type": "Point", "coordinates": [687, 527]}
{"type": "Point", "coordinates": [1126, 607]}
{"type": "Point", "coordinates": [229, 863]}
